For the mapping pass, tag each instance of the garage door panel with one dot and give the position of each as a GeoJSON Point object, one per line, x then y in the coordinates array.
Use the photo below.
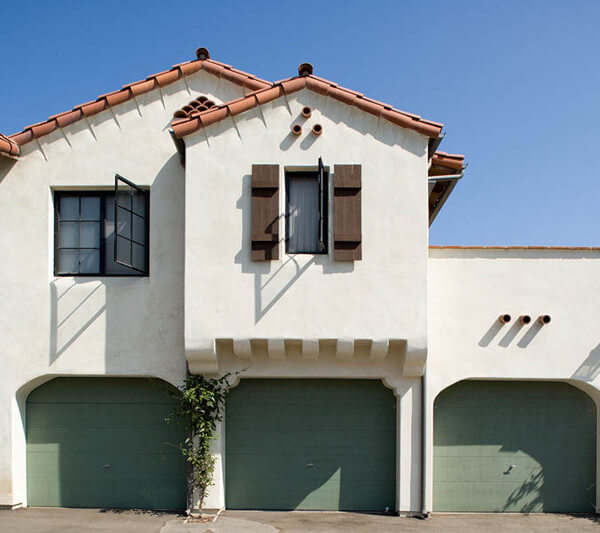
{"type": "Point", "coordinates": [336, 453]}
{"type": "Point", "coordinates": [302, 417]}
{"type": "Point", "coordinates": [547, 431]}
{"type": "Point", "coordinates": [346, 442]}
{"type": "Point", "coordinates": [69, 444]}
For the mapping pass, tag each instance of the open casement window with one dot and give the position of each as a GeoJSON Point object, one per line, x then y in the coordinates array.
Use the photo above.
{"type": "Point", "coordinates": [85, 233]}
{"type": "Point", "coordinates": [306, 211]}
{"type": "Point", "coordinates": [130, 247]}
{"type": "Point", "coordinates": [347, 233]}
{"type": "Point", "coordinates": [265, 212]}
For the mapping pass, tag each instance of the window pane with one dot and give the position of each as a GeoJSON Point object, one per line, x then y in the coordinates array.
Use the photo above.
{"type": "Point", "coordinates": [90, 208]}
{"type": "Point", "coordinates": [303, 215]}
{"type": "Point", "coordinates": [139, 229]}
{"type": "Point", "coordinates": [124, 198]}
{"type": "Point", "coordinates": [68, 261]}
{"type": "Point", "coordinates": [123, 250]}
{"type": "Point", "coordinates": [138, 257]}
{"type": "Point", "coordinates": [69, 208]}
{"type": "Point", "coordinates": [89, 261]}
{"type": "Point", "coordinates": [123, 222]}
{"type": "Point", "coordinates": [68, 235]}
{"type": "Point", "coordinates": [139, 203]}
{"type": "Point", "coordinates": [90, 235]}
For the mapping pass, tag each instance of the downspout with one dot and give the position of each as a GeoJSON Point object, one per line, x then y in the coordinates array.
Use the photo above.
{"type": "Point", "coordinates": [424, 510]}
{"type": "Point", "coordinates": [179, 145]}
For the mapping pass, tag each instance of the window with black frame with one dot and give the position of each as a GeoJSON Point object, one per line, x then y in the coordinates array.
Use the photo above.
{"type": "Point", "coordinates": [102, 232]}
{"type": "Point", "coordinates": [306, 211]}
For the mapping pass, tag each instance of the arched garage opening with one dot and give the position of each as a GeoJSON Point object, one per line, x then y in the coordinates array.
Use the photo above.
{"type": "Point", "coordinates": [104, 443]}
{"type": "Point", "coordinates": [514, 446]}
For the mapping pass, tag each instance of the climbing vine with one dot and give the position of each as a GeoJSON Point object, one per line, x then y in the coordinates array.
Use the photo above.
{"type": "Point", "coordinates": [200, 406]}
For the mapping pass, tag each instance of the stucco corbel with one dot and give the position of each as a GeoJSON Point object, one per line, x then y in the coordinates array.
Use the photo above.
{"type": "Point", "coordinates": [202, 357]}
{"type": "Point", "coordinates": [310, 348]}
{"type": "Point", "coordinates": [344, 349]}
{"type": "Point", "coordinates": [415, 357]}
{"type": "Point", "coordinates": [276, 348]}
{"type": "Point", "coordinates": [379, 348]}
{"type": "Point", "coordinates": [242, 348]}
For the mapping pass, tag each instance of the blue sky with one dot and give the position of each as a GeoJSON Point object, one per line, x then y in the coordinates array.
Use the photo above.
{"type": "Point", "coordinates": [516, 84]}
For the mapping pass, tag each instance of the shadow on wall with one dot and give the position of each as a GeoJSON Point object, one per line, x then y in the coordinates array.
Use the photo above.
{"type": "Point", "coordinates": [510, 334]}
{"type": "Point", "coordinates": [6, 165]}
{"type": "Point", "coordinates": [517, 446]}
{"type": "Point", "coordinates": [590, 368]}
{"type": "Point", "coordinates": [130, 314]}
{"type": "Point", "coordinates": [271, 286]}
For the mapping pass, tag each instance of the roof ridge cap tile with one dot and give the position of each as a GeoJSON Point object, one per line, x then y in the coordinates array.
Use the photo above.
{"type": "Point", "coordinates": [348, 96]}
{"type": "Point", "coordinates": [128, 91]}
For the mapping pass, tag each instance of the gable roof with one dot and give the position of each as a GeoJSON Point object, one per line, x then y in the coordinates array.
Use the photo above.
{"type": "Point", "coordinates": [104, 101]}
{"type": "Point", "coordinates": [198, 114]}
{"type": "Point", "coordinates": [306, 80]}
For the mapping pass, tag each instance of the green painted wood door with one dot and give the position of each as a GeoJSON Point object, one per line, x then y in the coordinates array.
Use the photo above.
{"type": "Point", "coordinates": [514, 446]}
{"type": "Point", "coordinates": [104, 442]}
{"type": "Point", "coordinates": [311, 444]}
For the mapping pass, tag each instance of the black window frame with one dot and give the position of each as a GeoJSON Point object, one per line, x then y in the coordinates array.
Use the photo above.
{"type": "Point", "coordinates": [102, 194]}
{"type": "Point", "coordinates": [323, 211]}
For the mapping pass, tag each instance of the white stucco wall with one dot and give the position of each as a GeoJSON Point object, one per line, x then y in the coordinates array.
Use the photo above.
{"type": "Point", "coordinates": [305, 296]}
{"type": "Point", "coordinates": [91, 325]}
{"type": "Point", "coordinates": [470, 288]}
{"type": "Point", "coordinates": [229, 297]}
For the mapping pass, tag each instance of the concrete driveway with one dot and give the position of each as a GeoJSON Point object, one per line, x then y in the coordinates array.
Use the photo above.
{"type": "Point", "coordinates": [94, 520]}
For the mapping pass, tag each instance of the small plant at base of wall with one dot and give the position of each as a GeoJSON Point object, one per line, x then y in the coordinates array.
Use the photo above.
{"type": "Point", "coordinates": [200, 406]}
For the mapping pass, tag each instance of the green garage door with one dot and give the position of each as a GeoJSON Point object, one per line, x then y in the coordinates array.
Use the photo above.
{"type": "Point", "coordinates": [96, 442]}
{"type": "Point", "coordinates": [311, 444]}
{"type": "Point", "coordinates": [514, 446]}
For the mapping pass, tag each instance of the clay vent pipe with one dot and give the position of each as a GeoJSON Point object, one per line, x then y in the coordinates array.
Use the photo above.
{"type": "Point", "coordinates": [504, 319]}
{"type": "Point", "coordinates": [296, 129]}
{"type": "Point", "coordinates": [317, 129]}
{"type": "Point", "coordinates": [305, 69]}
{"type": "Point", "coordinates": [202, 53]}
{"type": "Point", "coordinates": [544, 319]}
{"type": "Point", "coordinates": [525, 319]}
{"type": "Point", "coordinates": [306, 111]}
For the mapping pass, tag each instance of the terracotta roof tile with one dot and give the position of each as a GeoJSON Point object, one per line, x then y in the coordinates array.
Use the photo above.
{"type": "Point", "coordinates": [120, 96]}
{"type": "Point", "coordinates": [192, 119]}
{"type": "Point", "coordinates": [453, 161]}
{"type": "Point", "coordinates": [8, 147]}
{"type": "Point", "coordinates": [321, 86]}
{"type": "Point", "coordinates": [202, 103]}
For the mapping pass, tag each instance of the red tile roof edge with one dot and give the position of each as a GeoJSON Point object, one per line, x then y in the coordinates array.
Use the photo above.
{"type": "Point", "coordinates": [550, 248]}
{"type": "Point", "coordinates": [130, 90]}
{"type": "Point", "coordinates": [9, 147]}
{"type": "Point", "coordinates": [454, 161]}
{"type": "Point", "coordinates": [261, 96]}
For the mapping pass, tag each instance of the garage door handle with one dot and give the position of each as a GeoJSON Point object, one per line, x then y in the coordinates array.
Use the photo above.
{"type": "Point", "coordinates": [309, 465]}
{"type": "Point", "coordinates": [106, 465]}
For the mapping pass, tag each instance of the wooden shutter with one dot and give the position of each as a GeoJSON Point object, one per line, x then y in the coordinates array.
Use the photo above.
{"type": "Point", "coordinates": [265, 212]}
{"type": "Point", "coordinates": [347, 235]}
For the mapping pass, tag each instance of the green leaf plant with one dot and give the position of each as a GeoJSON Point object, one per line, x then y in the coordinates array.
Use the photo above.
{"type": "Point", "coordinates": [200, 406]}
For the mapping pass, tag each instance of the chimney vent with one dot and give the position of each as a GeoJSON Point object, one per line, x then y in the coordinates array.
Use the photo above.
{"type": "Point", "coordinates": [202, 53]}
{"type": "Point", "coordinates": [305, 69]}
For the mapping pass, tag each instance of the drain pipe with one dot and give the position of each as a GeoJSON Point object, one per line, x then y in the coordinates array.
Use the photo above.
{"type": "Point", "coordinates": [424, 462]}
